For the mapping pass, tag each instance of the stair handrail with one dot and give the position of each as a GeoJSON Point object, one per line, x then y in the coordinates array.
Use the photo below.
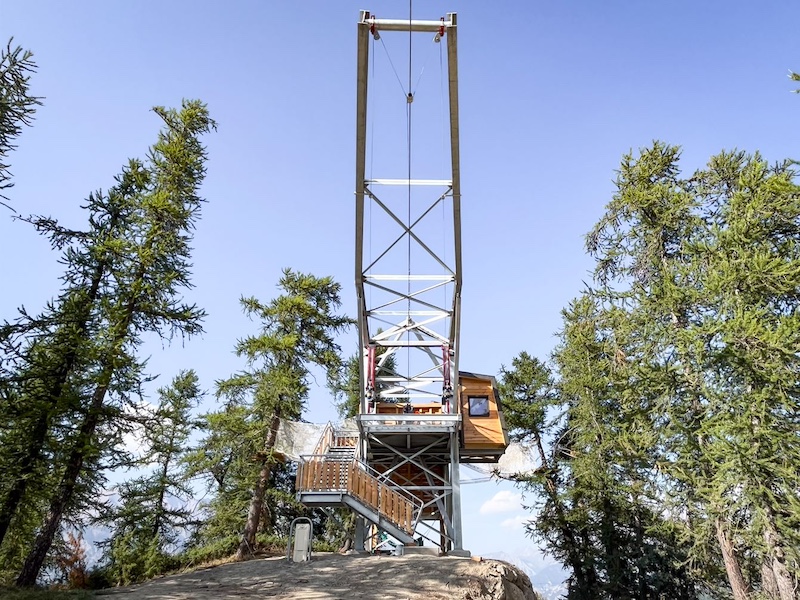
{"type": "Point", "coordinates": [346, 471]}
{"type": "Point", "coordinates": [404, 522]}
{"type": "Point", "coordinates": [325, 440]}
{"type": "Point", "coordinates": [416, 502]}
{"type": "Point", "coordinates": [349, 434]}
{"type": "Point", "coordinates": [305, 461]}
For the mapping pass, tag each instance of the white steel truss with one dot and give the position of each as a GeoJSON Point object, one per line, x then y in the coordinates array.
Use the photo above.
{"type": "Point", "coordinates": [408, 318]}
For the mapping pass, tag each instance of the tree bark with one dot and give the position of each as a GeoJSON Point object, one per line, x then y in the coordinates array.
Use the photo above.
{"type": "Point", "coordinates": [739, 587]}
{"type": "Point", "coordinates": [774, 563]}
{"type": "Point", "coordinates": [769, 587]}
{"type": "Point", "coordinates": [158, 518]}
{"type": "Point", "coordinates": [257, 501]}
{"type": "Point", "coordinates": [14, 496]}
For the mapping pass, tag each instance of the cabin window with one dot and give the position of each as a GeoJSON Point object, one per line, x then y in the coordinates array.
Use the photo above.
{"type": "Point", "coordinates": [478, 406]}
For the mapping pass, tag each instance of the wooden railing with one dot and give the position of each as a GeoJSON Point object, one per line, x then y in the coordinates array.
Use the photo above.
{"type": "Point", "coordinates": [325, 440]}
{"type": "Point", "coordinates": [333, 438]}
{"type": "Point", "coordinates": [320, 475]}
{"type": "Point", "coordinates": [342, 440]}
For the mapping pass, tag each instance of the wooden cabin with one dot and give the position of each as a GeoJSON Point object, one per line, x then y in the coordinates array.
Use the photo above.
{"type": "Point", "coordinates": [483, 426]}
{"type": "Point", "coordinates": [484, 436]}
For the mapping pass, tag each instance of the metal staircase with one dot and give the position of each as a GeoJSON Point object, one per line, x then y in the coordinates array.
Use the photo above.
{"type": "Point", "coordinates": [334, 476]}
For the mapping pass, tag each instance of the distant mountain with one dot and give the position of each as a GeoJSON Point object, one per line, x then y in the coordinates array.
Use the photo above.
{"type": "Point", "coordinates": [546, 575]}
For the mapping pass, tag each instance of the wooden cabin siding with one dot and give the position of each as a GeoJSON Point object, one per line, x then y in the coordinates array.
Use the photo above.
{"type": "Point", "coordinates": [481, 432]}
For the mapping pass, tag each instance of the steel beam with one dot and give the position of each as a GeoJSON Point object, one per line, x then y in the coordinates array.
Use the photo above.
{"type": "Point", "coordinates": [362, 64]}
{"type": "Point", "coordinates": [408, 24]}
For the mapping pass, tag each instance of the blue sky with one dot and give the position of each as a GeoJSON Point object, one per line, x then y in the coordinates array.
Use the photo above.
{"type": "Point", "coordinates": [552, 94]}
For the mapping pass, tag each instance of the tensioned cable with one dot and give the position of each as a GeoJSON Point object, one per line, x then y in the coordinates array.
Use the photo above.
{"type": "Point", "coordinates": [391, 64]}
{"type": "Point", "coordinates": [371, 112]}
{"type": "Point", "coordinates": [409, 102]}
{"type": "Point", "coordinates": [422, 72]}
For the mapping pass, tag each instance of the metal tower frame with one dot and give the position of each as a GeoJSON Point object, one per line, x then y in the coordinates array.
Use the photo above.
{"type": "Point", "coordinates": [411, 327]}
{"type": "Point", "coordinates": [419, 452]}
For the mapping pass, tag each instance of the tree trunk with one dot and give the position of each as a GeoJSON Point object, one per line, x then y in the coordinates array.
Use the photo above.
{"type": "Point", "coordinates": [769, 587]}
{"type": "Point", "coordinates": [62, 498]}
{"type": "Point", "coordinates": [158, 518]}
{"type": "Point", "coordinates": [583, 580]}
{"type": "Point", "coordinates": [23, 476]}
{"type": "Point", "coordinates": [348, 544]}
{"type": "Point", "coordinates": [774, 563]}
{"type": "Point", "coordinates": [349, 527]}
{"type": "Point", "coordinates": [732, 568]}
{"type": "Point", "coordinates": [257, 501]}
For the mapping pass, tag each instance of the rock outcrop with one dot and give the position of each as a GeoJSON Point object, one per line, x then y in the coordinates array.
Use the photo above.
{"type": "Point", "coordinates": [339, 577]}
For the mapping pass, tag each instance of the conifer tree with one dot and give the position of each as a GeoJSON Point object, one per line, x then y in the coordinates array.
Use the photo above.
{"type": "Point", "coordinates": [298, 330]}
{"type": "Point", "coordinates": [528, 395]}
{"type": "Point", "coordinates": [50, 355]}
{"type": "Point", "coordinates": [706, 271]}
{"type": "Point", "coordinates": [153, 510]}
{"type": "Point", "coordinates": [150, 270]}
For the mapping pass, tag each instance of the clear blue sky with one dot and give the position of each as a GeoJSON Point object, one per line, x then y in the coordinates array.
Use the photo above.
{"type": "Point", "coordinates": [552, 94]}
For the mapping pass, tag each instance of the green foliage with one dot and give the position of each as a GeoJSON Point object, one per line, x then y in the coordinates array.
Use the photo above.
{"type": "Point", "coordinates": [73, 370]}
{"type": "Point", "coordinates": [152, 512]}
{"type": "Point", "coordinates": [698, 281]}
{"type": "Point", "coordinates": [526, 392]}
{"type": "Point", "coordinates": [674, 423]}
{"type": "Point", "coordinates": [594, 503]}
{"type": "Point", "coordinates": [297, 331]}
{"type": "Point", "coordinates": [133, 556]}
{"type": "Point", "coordinates": [17, 105]}
{"type": "Point", "coordinates": [348, 389]}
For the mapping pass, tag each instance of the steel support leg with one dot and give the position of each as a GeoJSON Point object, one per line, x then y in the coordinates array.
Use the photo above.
{"type": "Point", "coordinates": [458, 541]}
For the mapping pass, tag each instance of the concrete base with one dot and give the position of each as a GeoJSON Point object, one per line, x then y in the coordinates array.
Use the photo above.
{"type": "Point", "coordinates": [420, 551]}
{"type": "Point", "coordinates": [462, 553]}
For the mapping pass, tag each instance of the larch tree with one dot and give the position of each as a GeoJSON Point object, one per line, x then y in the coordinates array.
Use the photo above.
{"type": "Point", "coordinates": [706, 269]}
{"type": "Point", "coordinates": [49, 357]}
{"type": "Point", "coordinates": [607, 453]}
{"type": "Point", "coordinates": [753, 283]}
{"type": "Point", "coordinates": [154, 511]}
{"type": "Point", "coordinates": [298, 330]}
{"type": "Point", "coordinates": [529, 403]}
{"type": "Point", "coordinates": [150, 271]}
{"type": "Point", "coordinates": [223, 460]}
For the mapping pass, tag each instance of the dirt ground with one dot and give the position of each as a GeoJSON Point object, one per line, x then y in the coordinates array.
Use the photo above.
{"type": "Point", "coordinates": [334, 577]}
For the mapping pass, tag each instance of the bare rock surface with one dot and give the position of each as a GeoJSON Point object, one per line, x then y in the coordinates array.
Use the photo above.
{"type": "Point", "coordinates": [341, 577]}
